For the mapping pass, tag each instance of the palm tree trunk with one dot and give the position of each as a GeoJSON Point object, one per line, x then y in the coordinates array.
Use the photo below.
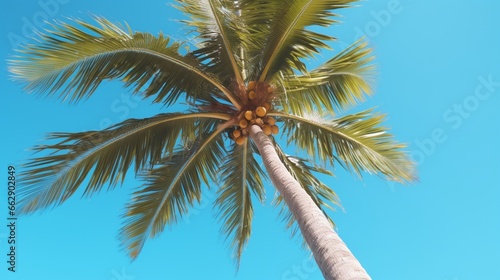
{"type": "Point", "coordinates": [333, 257]}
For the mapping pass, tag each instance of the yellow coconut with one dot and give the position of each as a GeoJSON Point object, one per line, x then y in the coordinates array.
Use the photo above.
{"type": "Point", "coordinates": [270, 89]}
{"type": "Point", "coordinates": [259, 121]}
{"type": "Point", "coordinates": [267, 129]}
{"type": "Point", "coordinates": [270, 120]}
{"type": "Point", "coordinates": [236, 133]}
{"type": "Point", "coordinates": [251, 85]}
{"type": "Point", "coordinates": [248, 115]}
{"type": "Point", "coordinates": [251, 95]}
{"type": "Point", "coordinates": [261, 111]}
{"type": "Point", "coordinates": [275, 129]}
{"type": "Point", "coordinates": [240, 140]}
{"type": "Point", "coordinates": [267, 106]}
{"type": "Point", "coordinates": [243, 123]}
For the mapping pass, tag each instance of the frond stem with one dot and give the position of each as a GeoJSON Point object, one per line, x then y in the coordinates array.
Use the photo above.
{"type": "Point", "coordinates": [285, 35]}
{"type": "Point", "coordinates": [178, 176]}
{"type": "Point", "coordinates": [236, 71]}
{"type": "Point", "coordinates": [80, 158]}
{"type": "Point", "coordinates": [322, 126]}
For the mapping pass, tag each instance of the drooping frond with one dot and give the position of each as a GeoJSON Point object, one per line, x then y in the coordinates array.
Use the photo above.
{"type": "Point", "coordinates": [75, 60]}
{"type": "Point", "coordinates": [338, 84]}
{"type": "Point", "coordinates": [289, 40]}
{"type": "Point", "coordinates": [171, 189]}
{"type": "Point", "coordinates": [302, 171]}
{"type": "Point", "coordinates": [103, 156]}
{"type": "Point", "coordinates": [220, 30]}
{"type": "Point", "coordinates": [240, 176]}
{"type": "Point", "coordinates": [359, 140]}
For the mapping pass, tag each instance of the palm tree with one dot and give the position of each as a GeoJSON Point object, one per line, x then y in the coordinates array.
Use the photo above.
{"type": "Point", "coordinates": [244, 82]}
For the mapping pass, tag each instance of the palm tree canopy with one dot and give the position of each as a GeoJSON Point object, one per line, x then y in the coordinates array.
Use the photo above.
{"type": "Point", "coordinates": [247, 69]}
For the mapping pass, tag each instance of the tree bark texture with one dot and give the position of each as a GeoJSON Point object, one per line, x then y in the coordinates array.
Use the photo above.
{"type": "Point", "coordinates": [334, 259]}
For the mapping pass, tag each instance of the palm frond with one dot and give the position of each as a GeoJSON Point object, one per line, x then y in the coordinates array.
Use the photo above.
{"type": "Point", "coordinates": [359, 140]}
{"type": "Point", "coordinates": [103, 156]}
{"type": "Point", "coordinates": [289, 41]}
{"type": "Point", "coordinates": [258, 27]}
{"type": "Point", "coordinates": [302, 171]}
{"type": "Point", "coordinates": [219, 28]}
{"type": "Point", "coordinates": [338, 84]}
{"type": "Point", "coordinates": [240, 175]}
{"type": "Point", "coordinates": [172, 187]}
{"type": "Point", "coordinates": [75, 60]}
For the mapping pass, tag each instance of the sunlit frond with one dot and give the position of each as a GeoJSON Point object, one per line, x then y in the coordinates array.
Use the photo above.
{"type": "Point", "coordinates": [289, 40]}
{"type": "Point", "coordinates": [241, 175]}
{"type": "Point", "coordinates": [338, 84]}
{"type": "Point", "coordinates": [102, 156]}
{"type": "Point", "coordinates": [258, 27]}
{"type": "Point", "coordinates": [75, 59]}
{"type": "Point", "coordinates": [220, 30]}
{"type": "Point", "coordinates": [359, 140]}
{"type": "Point", "coordinates": [171, 188]}
{"type": "Point", "coordinates": [302, 171]}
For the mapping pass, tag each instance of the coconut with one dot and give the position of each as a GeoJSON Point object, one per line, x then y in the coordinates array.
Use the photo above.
{"type": "Point", "coordinates": [270, 120]}
{"type": "Point", "coordinates": [261, 111]}
{"type": "Point", "coordinates": [236, 133]}
{"type": "Point", "coordinates": [243, 123]}
{"type": "Point", "coordinates": [251, 85]}
{"type": "Point", "coordinates": [275, 129]}
{"type": "Point", "coordinates": [267, 129]}
{"type": "Point", "coordinates": [240, 140]}
{"type": "Point", "coordinates": [251, 95]}
{"type": "Point", "coordinates": [248, 115]}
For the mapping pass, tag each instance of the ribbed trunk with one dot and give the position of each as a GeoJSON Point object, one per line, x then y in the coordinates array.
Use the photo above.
{"type": "Point", "coordinates": [333, 257]}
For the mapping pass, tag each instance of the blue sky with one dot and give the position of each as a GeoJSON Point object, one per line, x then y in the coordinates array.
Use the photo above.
{"type": "Point", "coordinates": [438, 81]}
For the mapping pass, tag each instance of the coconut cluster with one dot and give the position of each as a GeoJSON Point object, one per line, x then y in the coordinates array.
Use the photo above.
{"type": "Point", "coordinates": [255, 112]}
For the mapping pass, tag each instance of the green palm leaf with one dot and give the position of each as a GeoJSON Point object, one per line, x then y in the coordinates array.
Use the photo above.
{"type": "Point", "coordinates": [359, 140]}
{"type": "Point", "coordinates": [170, 191]}
{"type": "Point", "coordinates": [219, 28]}
{"type": "Point", "coordinates": [241, 175]}
{"type": "Point", "coordinates": [336, 85]}
{"type": "Point", "coordinates": [76, 60]}
{"type": "Point", "coordinates": [302, 170]}
{"type": "Point", "coordinates": [106, 155]}
{"type": "Point", "coordinates": [257, 25]}
{"type": "Point", "coordinates": [289, 40]}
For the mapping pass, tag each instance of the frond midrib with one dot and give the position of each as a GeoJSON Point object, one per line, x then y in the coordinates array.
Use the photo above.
{"type": "Point", "coordinates": [323, 80]}
{"type": "Point", "coordinates": [191, 68]}
{"type": "Point", "coordinates": [179, 175]}
{"type": "Point", "coordinates": [80, 158]}
{"type": "Point", "coordinates": [228, 48]}
{"type": "Point", "coordinates": [281, 41]}
{"type": "Point", "coordinates": [244, 184]}
{"type": "Point", "coordinates": [322, 126]}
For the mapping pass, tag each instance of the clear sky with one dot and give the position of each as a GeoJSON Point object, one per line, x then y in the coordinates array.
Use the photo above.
{"type": "Point", "coordinates": [438, 80]}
